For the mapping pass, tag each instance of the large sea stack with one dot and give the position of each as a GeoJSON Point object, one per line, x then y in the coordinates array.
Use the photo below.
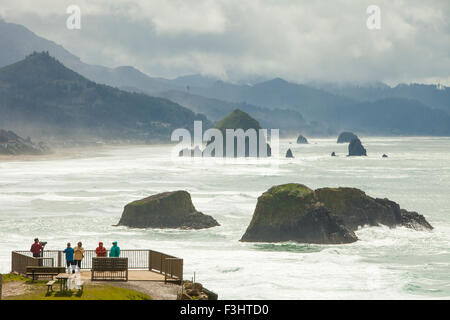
{"type": "Point", "coordinates": [165, 210]}
{"type": "Point", "coordinates": [239, 119]}
{"type": "Point", "coordinates": [294, 212]}
{"type": "Point", "coordinates": [346, 137]}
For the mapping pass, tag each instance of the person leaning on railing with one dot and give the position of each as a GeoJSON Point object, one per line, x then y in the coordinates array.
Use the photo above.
{"type": "Point", "coordinates": [115, 250]}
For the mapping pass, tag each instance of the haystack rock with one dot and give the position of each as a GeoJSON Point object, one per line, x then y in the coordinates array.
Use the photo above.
{"type": "Point", "coordinates": [165, 210]}
{"type": "Point", "coordinates": [239, 119]}
{"type": "Point", "coordinates": [294, 212]}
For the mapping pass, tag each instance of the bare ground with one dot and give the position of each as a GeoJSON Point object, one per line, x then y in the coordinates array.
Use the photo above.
{"type": "Point", "coordinates": [156, 290]}
{"type": "Point", "coordinates": [15, 288]}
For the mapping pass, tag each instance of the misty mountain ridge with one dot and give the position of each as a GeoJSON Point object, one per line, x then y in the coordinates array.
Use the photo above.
{"type": "Point", "coordinates": [41, 95]}
{"type": "Point", "coordinates": [323, 109]}
{"type": "Point", "coordinates": [435, 96]}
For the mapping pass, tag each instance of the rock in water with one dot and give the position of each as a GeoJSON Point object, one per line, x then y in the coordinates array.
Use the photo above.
{"type": "Point", "coordinates": [346, 137]}
{"type": "Point", "coordinates": [165, 210]}
{"type": "Point", "coordinates": [302, 140]}
{"type": "Point", "coordinates": [290, 213]}
{"type": "Point", "coordinates": [333, 154]}
{"type": "Point", "coordinates": [289, 154]}
{"type": "Point", "coordinates": [236, 120]}
{"type": "Point", "coordinates": [385, 156]}
{"type": "Point", "coordinates": [293, 212]}
{"type": "Point", "coordinates": [355, 148]}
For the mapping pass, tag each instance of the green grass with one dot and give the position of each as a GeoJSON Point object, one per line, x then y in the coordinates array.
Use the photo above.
{"type": "Point", "coordinates": [10, 277]}
{"type": "Point", "coordinates": [38, 291]}
{"type": "Point", "coordinates": [102, 292]}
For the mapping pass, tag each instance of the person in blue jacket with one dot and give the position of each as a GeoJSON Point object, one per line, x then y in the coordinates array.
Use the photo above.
{"type": "Point", "coordinates": [115, 250]}
{"type": "Point", "coordinates": [69, 255]}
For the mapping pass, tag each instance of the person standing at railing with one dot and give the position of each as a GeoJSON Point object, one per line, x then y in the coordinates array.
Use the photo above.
{"type": "Point", "coordinates": [69, 256]}
{"type": "Point", "coordinates": [115, 250]}
{"type": "Point", "coordinates": [36, 249]}
{"type": "Point", "coordinates": [101, 250]}
{"type": "Point", "coordinates": [79, 254]}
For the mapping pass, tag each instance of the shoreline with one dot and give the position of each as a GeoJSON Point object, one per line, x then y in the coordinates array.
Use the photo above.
{"type": "Point", "coordinates": [67, 153]}
{"type": "Point", "coordinates": [61, 153]}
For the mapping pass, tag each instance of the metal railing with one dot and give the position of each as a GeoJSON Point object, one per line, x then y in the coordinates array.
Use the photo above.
{"type": "Point", "coordinates": [138, 259]}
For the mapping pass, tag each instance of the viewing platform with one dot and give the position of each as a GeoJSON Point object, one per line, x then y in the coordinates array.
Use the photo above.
{"type": "Point", "coordinates": [133, 265]}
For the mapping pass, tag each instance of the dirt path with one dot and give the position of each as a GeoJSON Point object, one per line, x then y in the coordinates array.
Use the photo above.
{"type": "Point", "coordinates": [15, 288]}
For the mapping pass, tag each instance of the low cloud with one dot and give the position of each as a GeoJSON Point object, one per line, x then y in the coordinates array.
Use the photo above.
{"type": "Point", "coordinates": [231, 39]}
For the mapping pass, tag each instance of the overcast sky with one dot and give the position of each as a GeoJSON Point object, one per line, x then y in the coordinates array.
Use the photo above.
{"type": "Point", "coordinates": [239, 39]}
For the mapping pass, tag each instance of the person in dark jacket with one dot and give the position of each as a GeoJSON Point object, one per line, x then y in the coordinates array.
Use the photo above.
{"type": "Point", "coordinates": [115, 250]}
{"type": "Point", "coordinates": [69, 255]}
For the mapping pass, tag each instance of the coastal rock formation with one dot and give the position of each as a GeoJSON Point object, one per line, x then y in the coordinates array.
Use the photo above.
{"type": "Point", "coordinates": [195, 291]}
{"type": "Point", "coordinates": [165, 210]}
{"type": "Point", "coordinates": [291, 213]}
{"type": "Point", "coordinates": [241, 120]}
{"type": "Point", "coordinates": [12, 144]}
{"type": "Point", "coordinates": [289, 154]}
{"type": "Point", "coordinates": [302, 140]}
{"type": "Point", "coordinates": [333, 154]}
{"type": "Point", "coordinates": [346, 137]}
{"type": "Point", "coordinates": [384, 156]}
{"type": "Point", "coordinates": [355, 148]}
{"type": "Point", "coordinates": [294, 212]}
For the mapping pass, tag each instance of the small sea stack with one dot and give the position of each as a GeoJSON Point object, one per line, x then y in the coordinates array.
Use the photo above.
{"type": "Point", "coordinates": [356, 149]}
{"type": "Point", "coordinates": [346, 137]}
{"type": "Point", "coordinates": [302, 140]}
{"type": "Point", "coordinates": [289, 154]}
{"type": "Point", "coordinates": [165, 210]}
{"type": "Point", "coordinates": [333, 154]}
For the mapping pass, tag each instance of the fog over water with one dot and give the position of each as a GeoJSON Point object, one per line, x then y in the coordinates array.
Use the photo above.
{"type": "Point", "coordinates": [80, 198]}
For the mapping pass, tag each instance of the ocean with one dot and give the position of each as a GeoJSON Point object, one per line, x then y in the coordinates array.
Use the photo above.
{"type": "Point", "coordinates": [80, 198]}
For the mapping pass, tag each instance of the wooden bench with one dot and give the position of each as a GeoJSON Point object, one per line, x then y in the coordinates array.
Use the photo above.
{"type": "Point", "coordinates": [36, 272]}
{"type": "Point", "coordinates": [50, 285]}
{"type": "Point", "coordinates": [107, 269]}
